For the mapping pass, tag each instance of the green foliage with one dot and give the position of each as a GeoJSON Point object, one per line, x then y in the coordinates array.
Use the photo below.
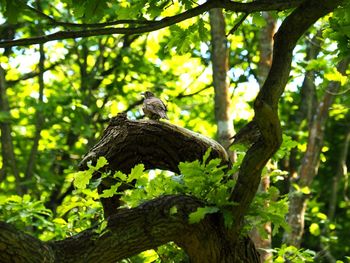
{"type": "Point", "coordinates": [23, 212]}
{"type": "Point", "coordinates": [292, 254]}
{"type": "Point", "coordinates": [82, 178]}
{"type": "Point", "coordinates": [340, 24]}
{"type": "Point", "coordinates": [268, 207]}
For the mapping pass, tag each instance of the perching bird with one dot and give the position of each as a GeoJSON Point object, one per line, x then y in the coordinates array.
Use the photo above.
{"type": "Point", "coordinates": [249, 134]}
{"type": "Point", "coordinates": [153, 107]}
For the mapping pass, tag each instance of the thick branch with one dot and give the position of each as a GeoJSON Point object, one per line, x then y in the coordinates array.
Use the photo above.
{"type": "Point", "coordinates": [255, 6]}
{"type": "Point", "coordinates": [132, 231]}
{"type": "Point", "coordinates": [156, 144]}
{"type": "Point", "coordinates": [265, 106]}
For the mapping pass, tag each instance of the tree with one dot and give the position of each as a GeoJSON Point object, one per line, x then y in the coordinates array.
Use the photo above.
{"type": "Point", "coordinates": [210, 240]}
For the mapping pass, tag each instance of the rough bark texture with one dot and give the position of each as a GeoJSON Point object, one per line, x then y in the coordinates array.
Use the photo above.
{"type": "Point", "coordinates": [266, 49]}
{"type": "Point", "coordinates": [16, 246]}
{"type": "Point", "coordinates": [126, 143]}
{"type": "Point", "coordinates": [219, 60]}
{"type": "Point", "coordinates": [310, 162]}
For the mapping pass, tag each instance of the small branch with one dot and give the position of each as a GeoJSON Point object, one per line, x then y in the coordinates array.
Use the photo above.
{"type": "Point", "coordinates": [250, 7]}
{"type": "Point", "coordinates": [39, 116]}
{"type": "Point", "coordinates": [89, 25]}
{"type": "Point", "coordinates": [238, 24]}
{"type": "Point", "coordinates": [182, 95]}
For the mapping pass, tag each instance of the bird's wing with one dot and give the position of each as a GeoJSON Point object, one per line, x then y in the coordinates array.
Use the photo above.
{"type": "Point", "coordinates": [156, 105]}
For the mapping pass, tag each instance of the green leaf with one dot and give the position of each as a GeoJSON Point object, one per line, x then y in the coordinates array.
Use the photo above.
{"type": "Point", "coordinates": [120, 176]}
{"type": "Point", "coordinates": [305, 190]}
{"type": "Point", "coordinates": [136, 172]}
{"type": "Point", "coordinates": [12, 11]}
{"type": "Point", "coordinates": [94, 10]}
{"type": "Point", "coordinates": [111, 191]}
{"type": "Point", "coordinates": [200, 213]}
{"type": "Point", "coordinates": [82, 178]}
{"type": "Point", "coordinates": [315, 229]}
{"type": "Point", "coordinates": [259, 20]}
{"type": "Point", "coordinates": [102, 161]}
{"type": "Point", "coordinates": [206, 155]}
{"type": "Point", "coordinates": [321, 216]}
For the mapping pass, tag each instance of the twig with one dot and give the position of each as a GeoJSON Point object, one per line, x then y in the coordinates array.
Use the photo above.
{"type": "Point", "coordinates": [239, 23]}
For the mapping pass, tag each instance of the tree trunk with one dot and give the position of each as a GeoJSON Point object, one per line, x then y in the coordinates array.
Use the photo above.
{"type": "Point", "coordinates": [7, 150]}
{"type": "Point", "coordinates": [310, 162]}
{"type": "Point", "coordinates": [39, 117]}
{"type": "Point", "coordinates": [219, 60]}
{"type": "Point", "coordinates": [341, 172]}
{"type": "Point", "coordinates": [265, 47]}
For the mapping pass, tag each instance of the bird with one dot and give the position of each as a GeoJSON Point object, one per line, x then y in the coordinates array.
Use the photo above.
{"type": "Point", "coordinates": [249, 134]}
{"type": "Point", "coordinates": [153, 107]}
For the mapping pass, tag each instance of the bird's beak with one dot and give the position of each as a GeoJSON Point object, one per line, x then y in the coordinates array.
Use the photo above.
{"type": "Point", "coordinates": [142, 94]}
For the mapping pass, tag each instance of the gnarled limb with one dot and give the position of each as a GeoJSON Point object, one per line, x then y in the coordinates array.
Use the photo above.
{"type": "Point", "coordinates": [156, 144]}
{"type": "Point", "coordinates": [266, 103]}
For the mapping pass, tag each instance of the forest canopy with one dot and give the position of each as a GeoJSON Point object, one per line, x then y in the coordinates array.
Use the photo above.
{"type": "Point", "coordinates": [250, 167]}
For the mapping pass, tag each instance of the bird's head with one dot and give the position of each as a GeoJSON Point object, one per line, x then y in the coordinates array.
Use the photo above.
{"type": "Point", "coordinates": [147, 94]}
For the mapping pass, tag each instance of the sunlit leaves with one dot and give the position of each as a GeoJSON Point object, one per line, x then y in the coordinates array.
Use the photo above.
{"type": "Point", "coordinates": [268, 207]}
{"type": "Point", "coordinates": [286, 254]}
{"type": "Point", "coordinates": [186, 38]}
{"type": "Point", "coordinates": [24, 211]}
{"type": "Point", "coordinates": [82, 178]}
{"type": "Point", "coordinates": [259, 20]}
{"type": "Point", "coordinates": [315, 229]}
{"type": "Point", "coordinates": [88, 10]}
{"type": "Point", "coordinates": [340, 24]}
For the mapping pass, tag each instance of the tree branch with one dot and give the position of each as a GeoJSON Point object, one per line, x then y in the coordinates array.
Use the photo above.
{"type": "Point", "coordinates": [158, 139]}
{"type": "Point", "coordinates": [250, 7]}
{"type": "Point", "coordinates": [39, 116]}
{"type": "Point", "coordinates": [266, 103]}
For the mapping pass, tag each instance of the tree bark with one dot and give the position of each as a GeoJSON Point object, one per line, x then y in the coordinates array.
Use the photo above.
{"type": "Point", "coordinates": [7, 150]}
{"type": "Point", "coordinates": [219, 60]}
{"type": "Point", "coordinates": [266, 49]}
{"type": "Point", "coordinates": [39, 116]}
{"type": "Point", "coordinates": [310, 162]}
{"type": "Point", "coordinates": [341, 172]}
{"type": "Point", "coordinates": [308, 102]}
